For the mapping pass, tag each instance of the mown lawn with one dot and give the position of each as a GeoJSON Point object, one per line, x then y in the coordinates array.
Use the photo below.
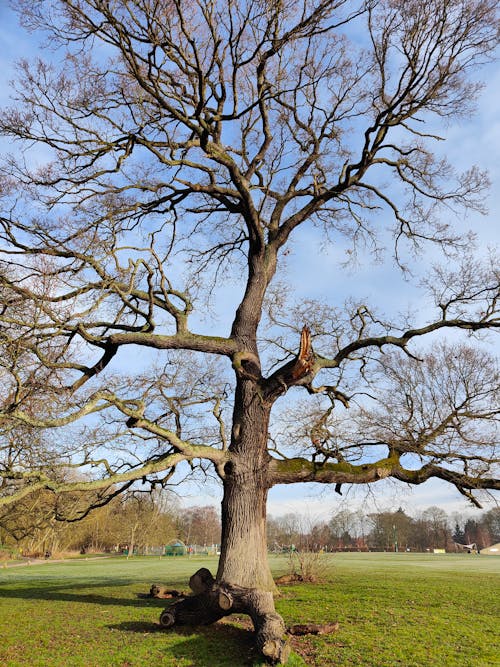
{"type": "Point", "coordinates": [394, 609]}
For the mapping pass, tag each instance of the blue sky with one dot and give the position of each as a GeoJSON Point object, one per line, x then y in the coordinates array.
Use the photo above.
{"type": "Point", "coordinates": [475, 141]}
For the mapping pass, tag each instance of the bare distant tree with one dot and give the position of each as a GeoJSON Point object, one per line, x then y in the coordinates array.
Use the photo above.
{"type": "Point", "coordinates": [166, 148]}
{"type": "Point", "coordinates": [200, 525]}
{"type": "Point", "coordinates": [441, 413]}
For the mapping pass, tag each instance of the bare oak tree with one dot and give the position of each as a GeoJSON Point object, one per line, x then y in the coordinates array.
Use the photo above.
{"type": "Point", "coordinates": [166, 148]}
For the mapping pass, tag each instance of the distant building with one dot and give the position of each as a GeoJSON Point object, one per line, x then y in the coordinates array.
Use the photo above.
{"type": "Point", "coordinates": [494, 550]}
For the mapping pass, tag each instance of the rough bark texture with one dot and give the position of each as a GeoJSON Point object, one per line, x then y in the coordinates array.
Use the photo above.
{"type": "Point", "coordinates": [243, 558]}
{"type": "Point", "coordinates": [213, 600]}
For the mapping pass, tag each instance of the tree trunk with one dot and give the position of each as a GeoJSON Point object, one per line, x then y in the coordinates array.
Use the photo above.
{"type": "Point", "coordinates": [243, 560]}
{"type": "Point", "coordinates": [244, 583]}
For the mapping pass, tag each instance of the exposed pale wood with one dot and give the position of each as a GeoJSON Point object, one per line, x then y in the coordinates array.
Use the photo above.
{"type": "Point", "coordinates": [225, 601]}
{"type": "Point", "coordinates": [167, 619]}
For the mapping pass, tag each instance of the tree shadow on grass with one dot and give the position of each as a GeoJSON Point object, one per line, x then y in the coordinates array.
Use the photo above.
{"type": "Point", "coordinates": [221, 644]}
{"type": "Point", "coordinates": [80, 592]}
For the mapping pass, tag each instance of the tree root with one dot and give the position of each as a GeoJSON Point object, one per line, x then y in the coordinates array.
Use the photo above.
{"type": "Point", "coordinates": [213, 600]}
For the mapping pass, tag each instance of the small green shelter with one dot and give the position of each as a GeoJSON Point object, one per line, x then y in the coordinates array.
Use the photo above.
{"type": "Point", "coordinates": [175, 548]}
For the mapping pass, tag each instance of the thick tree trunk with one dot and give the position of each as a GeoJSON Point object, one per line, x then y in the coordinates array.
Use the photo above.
{"type": "Point", "coordinates": [244, 583]}
{"type": "Point", "coordinates": [243, 559]}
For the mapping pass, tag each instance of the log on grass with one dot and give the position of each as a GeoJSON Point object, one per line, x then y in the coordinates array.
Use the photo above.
{"type": "Point", "coordinates": [288, 579]}
{"type": "Point", "coordinates": [164, 593]}
{"type": "Point", "coordinates": [314, 628]}
{"type": "Point", "coordinates": [213, 600]}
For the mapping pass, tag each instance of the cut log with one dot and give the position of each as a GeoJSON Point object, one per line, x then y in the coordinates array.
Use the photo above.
{"type": "Point", "coordinates": [167, 619]}
{"type": "Point", "coordinates": [163, 593]}
{"type": "Point", "coordinates": [314, 628]}
{"type": "Point", "coordinates": [288, 579]}
{"type": "Point", "coordinates": [225, 601]}
{"type": "Point", "coordinates": [213, 600]}
{"type": "Point", "coordinates": [201, 581]}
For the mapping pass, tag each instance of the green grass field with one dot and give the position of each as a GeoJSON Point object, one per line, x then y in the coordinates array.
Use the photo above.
{"type": "Point", "coordinates": [394, 609]}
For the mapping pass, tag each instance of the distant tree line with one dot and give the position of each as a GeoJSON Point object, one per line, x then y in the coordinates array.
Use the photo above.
{"type": "Point", "coordinates": [350, 530]}
{"type": "Point", "coordinates": [132, 523]}
{"type": "Point", "coordinates": [139, 522]}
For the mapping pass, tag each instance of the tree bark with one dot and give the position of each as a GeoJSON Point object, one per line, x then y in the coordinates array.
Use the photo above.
{"type": "Point", "coordinates": [243, 559]}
